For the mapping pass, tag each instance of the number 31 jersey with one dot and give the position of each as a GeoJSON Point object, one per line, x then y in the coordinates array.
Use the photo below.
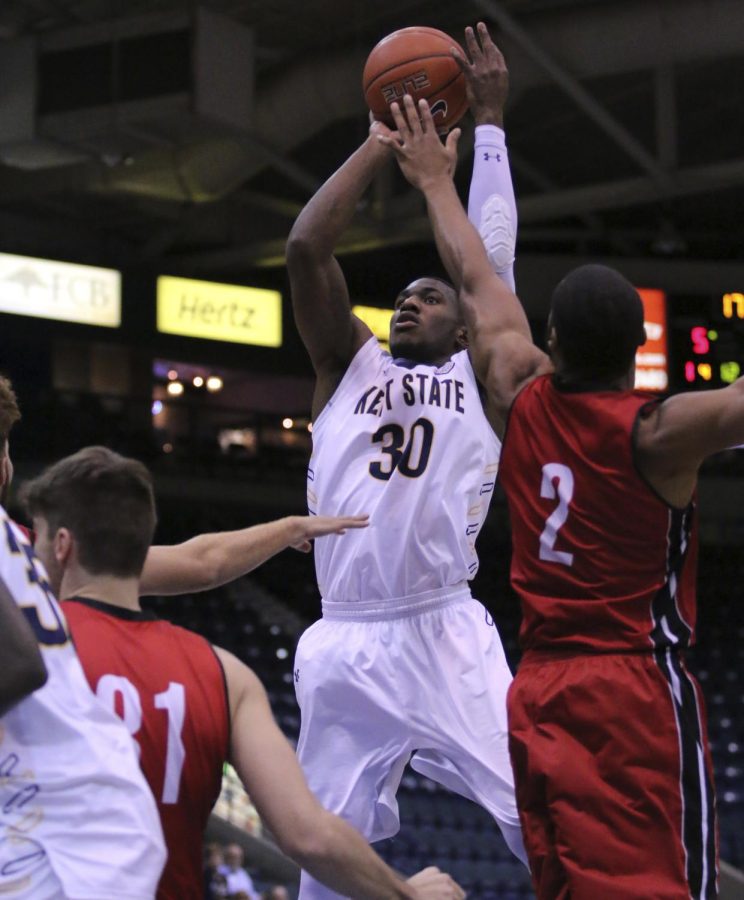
{"type": "Point", "coordinates": [410, 445]}
{"type": "Point", "coordinates": [600, 561]}
{"type": "Point", "coordinates": [168, 686]}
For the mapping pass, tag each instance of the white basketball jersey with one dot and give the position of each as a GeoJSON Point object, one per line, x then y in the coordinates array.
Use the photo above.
{"type": "Point", "coordinates": [410, 445]}
{"type": "Point", "coordinates": [75, 810]}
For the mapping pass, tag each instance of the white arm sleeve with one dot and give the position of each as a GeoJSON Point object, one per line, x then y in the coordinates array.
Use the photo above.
{"type": "Point", "coordinates": [491, 204]}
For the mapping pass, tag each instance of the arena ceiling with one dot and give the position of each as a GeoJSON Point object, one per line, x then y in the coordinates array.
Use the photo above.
{"type": "Point", "coordinates": [625, 126]}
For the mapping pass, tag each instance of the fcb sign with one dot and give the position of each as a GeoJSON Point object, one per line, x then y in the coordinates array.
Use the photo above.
{"type": "Point", "coordinates": [219, 312]}
{"type": "Point", "coordinates": [652, 359]}
{"type": "Point", "coordinates": [63, 291]}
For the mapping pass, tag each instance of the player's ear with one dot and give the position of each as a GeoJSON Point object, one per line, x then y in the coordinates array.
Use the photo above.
{"type": "Point", "coordinates": [461, 338]}
{"type": "Point", "coordinates": [63, 545]}
{"type": "Point", "coordinates": [6, 466]}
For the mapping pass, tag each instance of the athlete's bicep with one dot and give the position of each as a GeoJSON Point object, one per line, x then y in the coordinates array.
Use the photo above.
{"type": "Point", "coordinates": [322, 310]}
{"type": "Point", "coordinates": [687, 428]}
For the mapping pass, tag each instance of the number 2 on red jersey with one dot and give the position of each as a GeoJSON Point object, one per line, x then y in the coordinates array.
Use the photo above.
{"type": "Point", "coordinates": [557, 483]}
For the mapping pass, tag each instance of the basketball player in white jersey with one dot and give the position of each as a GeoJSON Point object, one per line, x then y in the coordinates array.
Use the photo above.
{"type": "Point", "coordinates": [404, 661]}
{"type": "Point", "coordinates": [77, 819]}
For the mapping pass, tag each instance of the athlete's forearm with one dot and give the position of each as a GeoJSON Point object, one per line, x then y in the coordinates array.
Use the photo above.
{"type": "Point", "coordinates": [492, 206]}
{"type": "Point", "coordinates": [345, 862]}
{"type": "Point", "coordinates": [329, 212]}
{"type": "Point", "coordinates": [210, 560]}
{"type": "Point", "coordinates": [459, 245]}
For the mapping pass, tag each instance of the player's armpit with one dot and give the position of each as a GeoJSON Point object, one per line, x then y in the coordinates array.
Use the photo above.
{"type": "Point", "coordinates": [674, 439]}
{"type": "Point", "coordinates": [322, 309]}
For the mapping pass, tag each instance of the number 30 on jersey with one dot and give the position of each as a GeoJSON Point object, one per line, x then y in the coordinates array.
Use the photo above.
{"type": "Point", "coordinates": [408, 453]}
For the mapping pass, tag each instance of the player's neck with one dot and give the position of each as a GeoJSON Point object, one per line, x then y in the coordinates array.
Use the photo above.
{"type": "Point", "coordinates": [583, 383]}
{"type": "Point", "coordinates": [123, 592]}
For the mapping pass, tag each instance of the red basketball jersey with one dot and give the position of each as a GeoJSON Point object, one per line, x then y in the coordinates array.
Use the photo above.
{"type": "Point", "coordinates": [168, 686]}
{"type": "Point", "coordinates": [599, 561]}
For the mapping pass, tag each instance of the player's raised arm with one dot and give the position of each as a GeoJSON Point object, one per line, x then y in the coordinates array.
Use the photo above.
{"type": "Point", "coordinates": [23, 668]}
{"type": "Point", "coordinates": [323, 844]}
{"type": "Point", "coordinates": [673, 441]}
{"type": "Point", "coordinates": [320, 298]}
{"type": "Point", "coordinates": [492, 207]}
{"type": "Point", "coordinates": [210, 560]}
{"type": "Point", "coordinates": [501, 347]}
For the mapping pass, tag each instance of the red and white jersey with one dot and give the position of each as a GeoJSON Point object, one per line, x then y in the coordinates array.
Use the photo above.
{"type": "Point", "coordinates": [168, 686]}
{"type": "Point", "coordinates": [76, 816]}
{"type": "Point", "coordinates": [410, 445]}
{"type": "Point", "coordinates": [600, 561]}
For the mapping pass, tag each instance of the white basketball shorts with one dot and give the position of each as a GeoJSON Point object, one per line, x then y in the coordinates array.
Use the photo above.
{"type": "Point", "coordinates": [428, 684]}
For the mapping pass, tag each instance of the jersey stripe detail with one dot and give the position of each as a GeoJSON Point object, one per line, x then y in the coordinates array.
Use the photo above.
{"type": "Point", "coordinates": [669, 626]}
{"type": "Point", "coordinates": [696, 788]}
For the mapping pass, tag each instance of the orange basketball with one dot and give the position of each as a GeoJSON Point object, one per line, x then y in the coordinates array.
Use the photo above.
{"type": "Point", "coordinates": [416, 61]}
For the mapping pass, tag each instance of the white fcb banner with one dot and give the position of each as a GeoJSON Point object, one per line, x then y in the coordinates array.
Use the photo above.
{"type": "Point", "coordinates": [67, 292]}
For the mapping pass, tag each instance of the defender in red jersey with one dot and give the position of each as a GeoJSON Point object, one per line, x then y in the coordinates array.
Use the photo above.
{"type": "Point", "coordinates": [607, 731]}
{"type": "Point", "coordinates": [168, 685]}
{"type": "Point", "coordinates": [188, 705]}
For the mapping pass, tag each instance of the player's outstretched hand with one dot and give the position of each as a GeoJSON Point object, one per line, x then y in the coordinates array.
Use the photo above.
{"type": "Point", "coordinates": [422, 157]}
{"type": "Point", "coordinates": [431, 884]}
{"type": "Point", "coordinates": [486, 76]}
{"type": "Point", "coordinates": [310, 527]}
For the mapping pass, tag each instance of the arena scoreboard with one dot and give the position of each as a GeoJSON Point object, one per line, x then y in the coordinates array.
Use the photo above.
{"type": "Point", "coordinates": [706, 335]}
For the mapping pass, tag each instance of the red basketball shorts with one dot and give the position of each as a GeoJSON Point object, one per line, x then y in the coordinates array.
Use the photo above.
{"type": "Point", "coordinates": [613, 777]}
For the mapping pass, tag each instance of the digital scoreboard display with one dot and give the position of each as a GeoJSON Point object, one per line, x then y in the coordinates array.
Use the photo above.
{"type": "Point", "coordinates": [707, 340]}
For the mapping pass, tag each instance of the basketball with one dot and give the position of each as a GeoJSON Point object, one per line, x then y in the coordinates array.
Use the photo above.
{"type": "Point", "coordinates": [416, 61]}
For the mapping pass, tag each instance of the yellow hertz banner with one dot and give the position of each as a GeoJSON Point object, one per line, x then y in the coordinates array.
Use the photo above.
{"type": "Point", "coordinates": [219, 312]}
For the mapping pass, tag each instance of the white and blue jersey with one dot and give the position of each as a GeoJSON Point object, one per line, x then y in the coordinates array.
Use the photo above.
{"type": "Point", "coordinates": [77, 818]}
{"type": "Point", "coordinates": [410, 445]}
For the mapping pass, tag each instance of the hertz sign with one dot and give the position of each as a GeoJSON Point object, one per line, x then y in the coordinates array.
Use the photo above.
{"type": "Point", "coordinates": [63, 291]}
{"type": "Point", "coordinates": [219, 312]}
